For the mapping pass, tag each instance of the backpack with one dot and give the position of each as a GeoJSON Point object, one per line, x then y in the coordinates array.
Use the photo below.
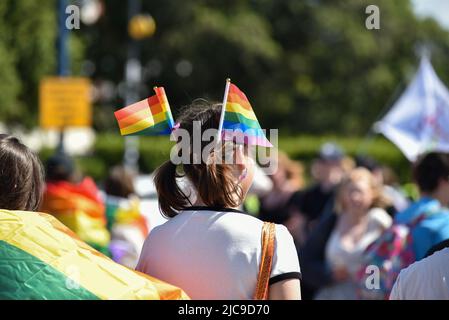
{"type": "Point", "coordinates": [390, 253]}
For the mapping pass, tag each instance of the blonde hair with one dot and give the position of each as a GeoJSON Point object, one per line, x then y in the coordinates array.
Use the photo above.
{"type": "Point", "coordinates": [358, 174]}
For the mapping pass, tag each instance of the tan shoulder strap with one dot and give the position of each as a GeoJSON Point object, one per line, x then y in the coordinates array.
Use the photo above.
{"type": "Point", "coordinates": [268, 237]}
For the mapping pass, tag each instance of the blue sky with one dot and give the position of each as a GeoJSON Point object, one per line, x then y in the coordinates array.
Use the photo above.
{"type": "Point", "coordinates": [438, 9]}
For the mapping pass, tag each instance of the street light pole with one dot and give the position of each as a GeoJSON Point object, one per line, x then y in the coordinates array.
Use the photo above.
{"type": "Point", "coordinates": [63, 56]}
{"type": "Point", "coordinates": [133, 74]}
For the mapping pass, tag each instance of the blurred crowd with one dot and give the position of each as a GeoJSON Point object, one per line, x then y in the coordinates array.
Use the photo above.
{"type": "Point", "coordinates": [353, 213]}
{"type": "Point", "coordinates": [341, 211]}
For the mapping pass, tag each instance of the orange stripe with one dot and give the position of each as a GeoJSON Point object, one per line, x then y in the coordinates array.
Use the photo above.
{"type": "Point", "coordinates": [135, 117]}
{"type": "Point", "coordinates": [234, 98]}
{"type": "Point", "coordinates": [127, 111]}
{"type": "Point", "coordinates": [163, 100]}
{"type": "Point", "coordinates": [155, 109]}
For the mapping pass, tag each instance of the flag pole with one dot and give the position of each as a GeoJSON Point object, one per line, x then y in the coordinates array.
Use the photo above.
{"type": "Point", "coordinates": [223, 108]}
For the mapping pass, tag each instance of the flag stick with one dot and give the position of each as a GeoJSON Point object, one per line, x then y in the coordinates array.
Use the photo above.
{"type": "Point", "coordinates": [223, 108]}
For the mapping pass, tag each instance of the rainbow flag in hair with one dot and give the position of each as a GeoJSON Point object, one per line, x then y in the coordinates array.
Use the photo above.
{"type": "Point", "coordinates": [42, 259]}
{"type": "Point", "coordinates": [148, 117]}
{"type": "Point", "coordinates": [239, 120]}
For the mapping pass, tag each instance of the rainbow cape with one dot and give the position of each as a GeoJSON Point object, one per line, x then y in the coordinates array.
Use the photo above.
{"type": "Point", "coordinates": [40, 258]}
{"type": "Point", "coordinates": [151, 116]}
{"type": "Point", "coordinates": [239, 120]}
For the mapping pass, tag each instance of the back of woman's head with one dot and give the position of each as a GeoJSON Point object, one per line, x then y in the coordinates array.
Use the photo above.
{"type": "Point", "coordinates": [213, 181]}
{"type": "Point", "coordinates": [21, 176]}
{"type": "Point", "coordinates": [120, 182]}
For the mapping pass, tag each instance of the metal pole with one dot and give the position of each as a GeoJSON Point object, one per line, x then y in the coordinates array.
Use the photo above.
{"type": "Point", "coordinates": [133, 74]}
{"type": "Point", "coordinates": [63, 56]}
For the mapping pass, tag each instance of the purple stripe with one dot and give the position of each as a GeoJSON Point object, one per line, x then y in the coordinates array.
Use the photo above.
{"type": "Point", "coordinates": [246, 137]}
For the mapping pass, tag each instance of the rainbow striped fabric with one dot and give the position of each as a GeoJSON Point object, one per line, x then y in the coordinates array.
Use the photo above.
{"type": "Point", "coordinates": [151, 116]}
{"type": "Point", "coordinates": [240, 120]}
{"type": "Point", "coordinates": [40, 258]}
{"type": "Point", "coordinates": [79, 207]}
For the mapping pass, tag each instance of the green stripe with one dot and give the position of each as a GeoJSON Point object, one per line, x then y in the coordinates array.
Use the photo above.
{"type": "Point", "coordinates": [159, 129]}
{"type": "Point", "coordinates": [238, 117]}
{"type": "Point", "coordinates": [111, 213]}
{"type": "Point", "coordinates": [25, 277]}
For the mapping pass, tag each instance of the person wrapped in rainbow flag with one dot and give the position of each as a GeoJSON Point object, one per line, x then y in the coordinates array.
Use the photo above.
{"type": "Point", "coordinates": [78, 205]}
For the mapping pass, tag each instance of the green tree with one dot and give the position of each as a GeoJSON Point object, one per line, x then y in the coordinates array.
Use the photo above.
{"type": "Point", "coordinates": [28, 31]}
{"type": "Point", "coordinates": [307, 66]}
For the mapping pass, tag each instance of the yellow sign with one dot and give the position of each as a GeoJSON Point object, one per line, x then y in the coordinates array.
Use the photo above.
{"type": "Point", "coordinates": [64, 102]}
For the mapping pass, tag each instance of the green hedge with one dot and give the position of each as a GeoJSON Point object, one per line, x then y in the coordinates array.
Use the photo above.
{"type": "Point", "coordinates": [109, 148]}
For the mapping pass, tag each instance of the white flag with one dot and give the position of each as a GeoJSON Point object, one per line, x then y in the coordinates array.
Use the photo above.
{"type": "Point", "coordinates": [419, 121]}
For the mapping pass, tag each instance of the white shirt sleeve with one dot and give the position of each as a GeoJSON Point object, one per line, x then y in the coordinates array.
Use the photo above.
{"type": "Point", "coordinates": [396, 292]}
{"type": "Point", "coordinates": [285, 260]}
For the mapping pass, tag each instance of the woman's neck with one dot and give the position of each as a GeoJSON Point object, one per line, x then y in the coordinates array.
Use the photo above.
{"type": "Point", "coordinates": [354, 218]}
{"type": "Point", "coordinates": [200, 203]}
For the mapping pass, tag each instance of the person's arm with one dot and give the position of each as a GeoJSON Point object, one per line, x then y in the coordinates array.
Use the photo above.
{"type": "Point", "coordinates": [289, 289]}
{"type": "Point", "coordinates": [316, 272]}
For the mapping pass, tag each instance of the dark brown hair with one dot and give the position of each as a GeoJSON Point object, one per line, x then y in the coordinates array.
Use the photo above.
{"type": "Point", "coordinates": [21, 176]}
{"type": "Point", "coordinates": [214, 183]}
{"type": "Point", "coordinates": [430, 169]}
{"type": "Point", "coordinates": [119, 182]}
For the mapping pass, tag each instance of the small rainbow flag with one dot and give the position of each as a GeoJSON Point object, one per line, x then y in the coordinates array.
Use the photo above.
{"type": "Point", "coordinates": [148, 117]}
{"type": "Point", "coordinates": [42, 259]}
{"type": "Point", "coordinates": [238, 118]}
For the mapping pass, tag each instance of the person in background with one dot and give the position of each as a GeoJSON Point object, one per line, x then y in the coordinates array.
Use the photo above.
{"type": "Point", "coordinates": [334, 251]}
{"type": "Point", "coordinates": [77, 204]}
{"type": "Point", "coordinates": [327, 171]}
{"type": "Point", "coordinates": [430, 214]}
{"type": "Point", "coordinates": [128, 227]}
{"type": "Point", "coordinates": [276, 205]}
{"type": "Point", "coordinates": [389, 182]}
{"type": "Point", "coordinates": [281, 204]}
{"type": "Point", "coordinates": [21, 176]}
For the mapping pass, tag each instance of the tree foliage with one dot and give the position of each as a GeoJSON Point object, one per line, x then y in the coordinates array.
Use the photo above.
{"type": "Point", "coordinates": [307, 66]}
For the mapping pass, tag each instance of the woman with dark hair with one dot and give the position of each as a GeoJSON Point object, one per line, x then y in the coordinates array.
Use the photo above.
{"type": "Point", "coordinates": [40, 258]}
{"type": "Point", "coordinates": [208, 247]}
{"type": "Point", "coordinates": [21, 176]}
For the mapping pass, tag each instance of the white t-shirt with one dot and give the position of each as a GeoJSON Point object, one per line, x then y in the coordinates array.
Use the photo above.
{"type": "Point", "coordinates": [338, 255]}
{"type": "Point", "coordinates": [427, 279]}
{"type": "Point", "coordinates": [215, 254]}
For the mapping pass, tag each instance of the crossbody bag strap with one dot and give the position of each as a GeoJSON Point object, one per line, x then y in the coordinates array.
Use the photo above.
{"type": "Point", "coordinates": [266, 261]}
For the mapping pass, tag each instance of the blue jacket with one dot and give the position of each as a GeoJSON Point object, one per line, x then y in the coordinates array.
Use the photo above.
{"type": "Point", "coordinates": [433, 229]}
